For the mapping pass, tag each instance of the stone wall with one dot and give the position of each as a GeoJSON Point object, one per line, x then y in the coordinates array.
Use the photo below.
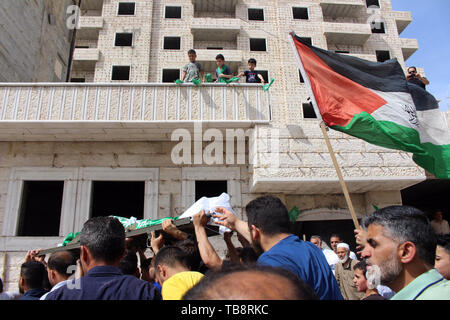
{"type": "Point", "coordinates": [34, 41]}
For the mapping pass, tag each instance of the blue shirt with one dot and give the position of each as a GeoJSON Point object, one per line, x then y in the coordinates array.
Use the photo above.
{"type": "Point", "coordinates": [106, 283]}
{"type": "Point", "coordinates": [33, 294]}
{"type": "Point", "coordinates": [307, 262]}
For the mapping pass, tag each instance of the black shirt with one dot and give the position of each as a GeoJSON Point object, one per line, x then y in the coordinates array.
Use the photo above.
{"type": "Point", "coordinates": [251, 76]}
{"type": "Point", "coordinates": [417, 82]}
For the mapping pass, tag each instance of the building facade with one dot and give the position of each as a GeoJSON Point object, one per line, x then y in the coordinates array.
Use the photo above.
{"type": "Point", "coordinates": [121, 138]}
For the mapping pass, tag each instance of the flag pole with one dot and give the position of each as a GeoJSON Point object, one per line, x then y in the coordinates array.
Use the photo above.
{"type": "Point", "coordinates": [324, 132]}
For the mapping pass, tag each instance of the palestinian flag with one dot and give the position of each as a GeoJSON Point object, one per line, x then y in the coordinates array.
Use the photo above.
{"type": "Point", "coordinates": [374, 102]}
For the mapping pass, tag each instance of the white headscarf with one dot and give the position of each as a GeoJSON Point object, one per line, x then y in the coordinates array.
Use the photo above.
{"type": "Point", "coordinates": [343, 245]}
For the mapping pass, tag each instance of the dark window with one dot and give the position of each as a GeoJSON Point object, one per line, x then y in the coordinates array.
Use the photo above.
{"type": "Point", "coordinates": [209, 188]}
{"type": "Point", "coordinates": [214, 48]}
{"type": "Point", "coordinates": [300, 13]}
{"type": "Point", "coordinates": [256, 14]}
{"type": "Point", "coordinates": [118, 198]}
{"type": "Point", "coordinates": [124, 40]}
{"type": "Point", "coordinates": [172, 43]}
{"type": "Point", "coordinates": [373, 3]}
{"type": "Point", "coordinates": [173, 12]}
{"type": "Point", "coordinates": [308, 111]}
{"type": "Point", "coordinates": [40, 209]}
{"type": "Point", "coordinates": [265, 75]}
{"type": "Point", "coordinates": [301, 77]}
{"type": "Point", "coordinates": [170, 75]}
{"type": "Point", "coordinates": [382, 56]}
{"type": "Point", "coordinates": [307, 40]}
{"type": "Point", "coordinates": [77, 80]}
{"type": "Point", "coordinates": [342, 51]}
{"type": "Point", "coordinates": [258, 45]}
{"type": "Point", "coordinates": [81, 47]}
{"type": "Point", "coordinates": [120, 73]}
{"type": "Point", "coordinates": [378, 27]}
{"type": "Point", "coordinates": [126, 8]}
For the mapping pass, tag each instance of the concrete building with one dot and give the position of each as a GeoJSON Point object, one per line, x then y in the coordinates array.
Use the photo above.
{"type": "Point", "coordinates": [76, 150]}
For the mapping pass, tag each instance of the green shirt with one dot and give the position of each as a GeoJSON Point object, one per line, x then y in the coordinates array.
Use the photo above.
{"type": "Point", "coordinates": [430, 285]}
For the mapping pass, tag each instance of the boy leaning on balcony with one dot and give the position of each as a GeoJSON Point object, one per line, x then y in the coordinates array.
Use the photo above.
{"type": "Point", "coordinates": [223, 72]}
{"type": "Point", "coordinates": [193, 71]}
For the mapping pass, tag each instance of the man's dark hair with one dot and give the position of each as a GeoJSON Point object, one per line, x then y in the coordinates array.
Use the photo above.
{"type": "Point", "coordinates": [252, 60]}
{"type": "Point", "coordinates": [247, 255]}
{"type": "Point", "coordinates": [145, 264]}
{"type": "Point", "coordinates": [404, 223]}
{"type": "Point", "coordinates": [61, 261]}
{"type": "Point", "coordinates": [220, 56]}
{"type": "Point", "coordinates": [335, 235]}
{"type": "Point", "coordinates": [192, 51]}
{"type": "Point", "coordinates": [269, 214]}
{"type": "Point", "coordinates": [412, 67]}
{"type": "Point", "coordinates": [443, 240]}
{"type": "Point", "coordinates": [212, 286]}
{"type": "Point", "coordinates": [361, 265]}
{"type": "Point", "coordinates": [190, 248]}
{"type": "Point", "coordinates": [171, 256]}
{"type": "Point", "coordinates": [104, 237]}
{"type": "Point", "coordinates": [129, 263]}
{"type": "Point", "coordinates": [34, 274]}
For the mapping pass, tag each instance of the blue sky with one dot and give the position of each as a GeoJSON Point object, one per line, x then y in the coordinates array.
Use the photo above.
{"type": "Point", "coordinates": [431, 27]}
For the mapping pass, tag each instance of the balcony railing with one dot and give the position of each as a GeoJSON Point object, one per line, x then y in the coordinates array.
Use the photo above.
{"type": "Point", "coordinates": [409, 46]}
{"type": "Point", "coordinates": [402, 19]}
{"type": "Point", "coordinates": [133, 102]}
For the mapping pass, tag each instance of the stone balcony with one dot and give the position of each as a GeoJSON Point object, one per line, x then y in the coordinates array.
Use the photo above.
{"type": "Point", "coordinates": [342, 8]}
{"type": "Point", "coordinates": [227, 6]}
{"type": "Point", "coordinates": [85, 58]}
{"type": "Point", "coordinates": [409, 46]}
{"type": "Point", "coordinates": [355, 34]}
{"type": "Point", "coordinates": [105, 112]}
{"type": "Point", "coordinates": [89, 27]}
{"type": "Point", "coordinates": [402, 19]}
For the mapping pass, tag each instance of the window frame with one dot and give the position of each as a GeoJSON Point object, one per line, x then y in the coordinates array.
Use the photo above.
{"type": "Point", "coordinates": [125, 15]}
{"type": "Point", "coordinates": [300, 19]}
{"type": "Point", "coordinates": [10, 240]}
{"type": "Point", "coordinates": [87, 175]}
{"type": "Point", "coordinates": [250, 44]}
{"type": "Point", "coordinates": [173, 5]}
{"type": "Point", "coordinates": [163, 43]}
{"type": "Point", "coordinates": [263, 11]}
{"type": "Point", "coordinates": [132, 40]}
{"type": "Point", "coordinates": [119, 65]}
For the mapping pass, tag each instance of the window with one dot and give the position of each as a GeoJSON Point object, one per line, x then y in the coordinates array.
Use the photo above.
{"type": "Point", "coordinates": [120, 73]}
{"type": "Point", "coordinates": [382, 56]}
{"type": "Point", "coordinates": [170, 75]}
{"type": "Point", "coordinates": [209, 188]}
{"type": "Point", "coordinates": [173, 12]}
{"type": "Point", "coordinates": [308, 111]}
{"type": "Point", "coordinates": [214, 48]}
{"type": "Point", "coordinates": [258, 45]}
{"type": "Point", "coordinates": [301, 77]}
{"type": "Point", "coordinates": [77, 80]}
{"type": "Point", "coordinates": [118, 198]}
{"type": "Point", "coordinates": [127, 8]}
{"type": "Point", "coordinates": [342, 51]}
{"type": "Point", "coordinates": [300, 13]}
{"type": "Point", "coordinates": [265, 75]}
{"type": "Point", "coordinates": [81, 47]}
{"type": "Point", "coordinates": [256, 14]}
{"type": "Point", "coordinates": [172, 43]}
{"type": "Point", "coordinates": [40, 208]}
{"type": "Point", "coordinates": [124, 40]}
{"type": "Point", "coordinates": [378, 27]}
{"type": "Point", "coordinates": [373, 3]}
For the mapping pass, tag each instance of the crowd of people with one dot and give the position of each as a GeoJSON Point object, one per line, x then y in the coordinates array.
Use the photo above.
{"type": "Point", "coordinates": [399, 256]}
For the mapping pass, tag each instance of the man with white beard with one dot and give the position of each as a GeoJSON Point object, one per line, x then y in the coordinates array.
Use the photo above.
{"type": "Point", "coordinates": [344, 273]}
{"type": "Point", "coordinates": [401, 243]}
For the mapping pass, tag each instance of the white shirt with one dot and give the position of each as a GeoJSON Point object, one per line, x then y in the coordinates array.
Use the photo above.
{"type": "Point", "coordinates": [440, 227]}
{"type": "Point", "coordinates": [352, 256]}
{"type": "Point", "coordinates": [55, 287]}
{"type": "Point", "coordinates": [331, 257]}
